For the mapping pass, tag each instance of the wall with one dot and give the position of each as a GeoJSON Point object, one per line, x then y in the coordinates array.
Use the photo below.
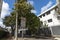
{"type": "Point", "coordinates": [55, 24]}
{"type": "Point", "coordinates": [53, 16]}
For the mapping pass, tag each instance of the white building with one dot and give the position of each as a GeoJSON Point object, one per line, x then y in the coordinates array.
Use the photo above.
{"type": "Point", "coordinates": [51, 17]}
{"type": "Point", "coordinates": [9, 29]}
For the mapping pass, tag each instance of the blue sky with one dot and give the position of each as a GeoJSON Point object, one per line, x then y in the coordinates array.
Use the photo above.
{"type": "Point", "coordinates": [10, 2]}
{"type": "Point", "coordinates": [39, 5]}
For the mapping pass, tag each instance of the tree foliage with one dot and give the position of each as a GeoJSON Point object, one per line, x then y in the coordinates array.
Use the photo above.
{"type": "Point", "coordinates": [33, 22]}
{"type": "Point", "coordinates": [24, 10]}
{"type": "Point", "coordinates": [23, 7]}
{"type": "Point", "coordinates": [10, 20]}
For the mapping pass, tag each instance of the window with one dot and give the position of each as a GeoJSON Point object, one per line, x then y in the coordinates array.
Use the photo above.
{"type": "Point", "coordinates": [48, 12]}
{"type": "Point", "coordinates": [40, 16]}
{"type": "Point", "coordinates": [50, 20]}
{"type": "Point", "coordinates": [43, 15]}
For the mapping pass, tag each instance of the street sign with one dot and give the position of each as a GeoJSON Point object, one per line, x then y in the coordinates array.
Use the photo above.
{"type": "Point", "coordinates": [23, 25]}
{"type": "Point", "coordinates": [23, 22]}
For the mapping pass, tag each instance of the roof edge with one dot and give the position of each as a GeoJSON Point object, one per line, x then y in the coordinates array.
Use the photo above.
{"type": "Point", "coordinates": [47, 10]}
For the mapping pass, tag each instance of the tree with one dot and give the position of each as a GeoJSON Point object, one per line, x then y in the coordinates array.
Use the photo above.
{"type": "Point", "coordinates": [23, 7]}
{"type": "Point", "coordinates": [10, 21]}
{"type": "Point", "coordinates": [23, 10]}
{"type": "Point", "coordinates": [32, 23]}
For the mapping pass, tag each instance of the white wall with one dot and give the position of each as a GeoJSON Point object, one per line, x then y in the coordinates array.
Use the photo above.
{"type": "Point", "coordinates": [52, 16]}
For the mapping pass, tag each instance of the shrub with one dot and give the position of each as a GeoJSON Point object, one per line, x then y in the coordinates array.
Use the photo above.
{"type": "Point", "coordinates": [3, 33]}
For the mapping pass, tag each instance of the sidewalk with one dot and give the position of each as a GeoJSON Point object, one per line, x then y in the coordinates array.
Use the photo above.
{"type": "Point", "coordinates": [20, 38]}
{"type": "Point", "coordinates": [32, 39]}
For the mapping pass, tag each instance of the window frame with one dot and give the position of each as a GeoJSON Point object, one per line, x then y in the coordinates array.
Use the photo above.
{"type": "Point", "coordinates": [50, 20]}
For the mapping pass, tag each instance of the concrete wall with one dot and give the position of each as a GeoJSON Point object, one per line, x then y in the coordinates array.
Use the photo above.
{"type": "Point", "coordinates": [53, 15]}
{"type": "Point", "coordinates": [56, 30]}
{"type": "Point", "coordinates": [55, 24]}
{"type": "Point", "coordinates": [1, 1]}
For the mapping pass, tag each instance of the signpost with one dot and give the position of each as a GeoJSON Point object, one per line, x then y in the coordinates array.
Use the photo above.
{"type": "Point", "coordinates": [16, 30]}
{"type": "Point", "coordinates": [23, 22]}
{"type": "Point", "coordinates": [23, 26]}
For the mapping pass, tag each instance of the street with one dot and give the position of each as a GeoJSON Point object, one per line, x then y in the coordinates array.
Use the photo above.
{"type": "Point", "coordinates": [27, 39]}
{"type": "Point", "coordinates": [32, 39]}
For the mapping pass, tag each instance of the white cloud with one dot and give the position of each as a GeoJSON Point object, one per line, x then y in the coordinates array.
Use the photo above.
{"type": "Point", "coordinates": [49, 4]}
{"type": "Point", "coordinates": [33, 11]}
{"type": "Point", "coordinates": [5, 9]}
{"type": "Point", "coordinates": [31, 2]}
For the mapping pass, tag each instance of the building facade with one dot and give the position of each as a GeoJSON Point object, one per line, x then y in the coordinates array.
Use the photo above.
{"type": "Point", "coordinates": [51, 17]}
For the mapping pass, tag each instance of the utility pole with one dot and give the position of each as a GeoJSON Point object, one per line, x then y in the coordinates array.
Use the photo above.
{"type": "Point", "coordinates": [16, 29]}
{"type": "Point", "coordinates": [1, 2]}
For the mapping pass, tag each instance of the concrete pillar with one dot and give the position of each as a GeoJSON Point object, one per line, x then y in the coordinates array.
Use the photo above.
{"type": "Point", "coordinates": [1, 1]}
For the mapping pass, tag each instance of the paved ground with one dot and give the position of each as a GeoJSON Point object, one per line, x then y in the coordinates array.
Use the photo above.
{"type": "Point", "coordinates": [33, 39]}
{"type": "Point", "coordinates": [29, 39]}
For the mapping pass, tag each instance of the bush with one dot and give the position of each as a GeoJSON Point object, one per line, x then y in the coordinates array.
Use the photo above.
{"type": "Point", "coordinates": [3, 33]}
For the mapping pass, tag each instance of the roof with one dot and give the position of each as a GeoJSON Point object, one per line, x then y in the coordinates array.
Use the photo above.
{"type": "Point", "coordinates": [48, 10]}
